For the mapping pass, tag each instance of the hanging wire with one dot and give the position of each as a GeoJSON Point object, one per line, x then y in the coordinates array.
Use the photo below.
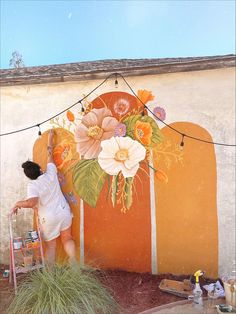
{"type": "Point", "coordinates": [59, 113]}
{"type": "Point", "coordinates": [169, 126]}
{"type": "Point", "coordinates": [143, 113]}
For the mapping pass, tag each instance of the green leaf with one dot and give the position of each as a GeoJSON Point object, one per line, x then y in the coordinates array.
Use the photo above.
{"type": "Point", "coordinates": [88, 180]}
{"type": "Point", "coordinates": [114, 189]}
{"type": "Point", "coordinates": [130, 123]}
{"type": "Point", "coordinates": [157, 136]}
{"type": "Point", "coordinates": [128, 192]}
{"type": "Point", "coordinates": [109, 187]}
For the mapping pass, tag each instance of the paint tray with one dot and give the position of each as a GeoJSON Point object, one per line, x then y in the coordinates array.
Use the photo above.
{"type": "Point", "coordinates": [223, 308]}
{"type": "Point", "coordinates": [179, 288]}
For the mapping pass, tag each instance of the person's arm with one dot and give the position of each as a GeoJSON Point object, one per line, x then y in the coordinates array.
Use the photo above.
{"type": "Point", "coordinates": [50, 146]}
{"type": "Point", "coordinates": [29, 203]}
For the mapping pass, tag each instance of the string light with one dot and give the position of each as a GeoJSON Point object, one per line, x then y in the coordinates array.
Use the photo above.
{"type": "Point", "coordinates": [169, 126]}
{"type": "Point", "coordinates": [116, 81]}
{"type": "Point", "coordinates": [143, 113]}
{"type": "Point", "coordinates": [182, 142]}
{"type": "Point", "coordinates": [82, 107]}
{"type": "Point", "coordinates": [39, 132]}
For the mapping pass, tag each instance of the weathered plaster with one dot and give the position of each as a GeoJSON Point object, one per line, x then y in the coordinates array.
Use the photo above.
{"type": "Point", "coordinates": [205, 97]}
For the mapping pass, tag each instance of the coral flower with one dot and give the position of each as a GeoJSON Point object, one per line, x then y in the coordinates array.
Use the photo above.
{"type": "Point", "coordinates": [143, 132]}
{"type": "Point", "coordinates": [62, 154]}
{"type": "Point", "coordinates": [121, 106]}
{"type": "Point", "coordinates": [121, 154]}
{"type": "Point", "coordinates": [70, 116]}
{"type": "Point", "coordinates": [96, 126]}
{"type": "Point", "coordinates": [159, 113]}
{"type": "Point", "coordinates": [145, 96]}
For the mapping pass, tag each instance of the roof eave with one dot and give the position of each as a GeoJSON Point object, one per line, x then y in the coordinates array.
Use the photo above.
{"type": "Point", "coordinates": [85, 71]}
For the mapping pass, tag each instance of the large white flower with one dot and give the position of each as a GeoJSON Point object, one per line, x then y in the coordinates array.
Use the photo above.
{"type": "Point", "coordinates": [121, 154]}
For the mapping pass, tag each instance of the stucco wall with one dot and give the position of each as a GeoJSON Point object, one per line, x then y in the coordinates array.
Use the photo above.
{"type": "Point", "coordinates": [206, 98]}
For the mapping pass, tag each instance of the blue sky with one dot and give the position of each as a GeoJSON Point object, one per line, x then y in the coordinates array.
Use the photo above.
{"type": "Point", "coordinates": [54, 32]}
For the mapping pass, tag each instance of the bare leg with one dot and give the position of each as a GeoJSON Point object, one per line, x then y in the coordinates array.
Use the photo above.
{"type": "Point", "coordinates": [68, 245]}
{"type": "Point", "coordinates": [50, 254]}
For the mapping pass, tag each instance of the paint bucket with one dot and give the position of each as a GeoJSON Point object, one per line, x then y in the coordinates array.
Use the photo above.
{"type": "Point", "coordinates": [28, 260]}
{"type": "Point", "coordinates": [17, 243]}
{"type": "Point", "coordinates": [6, 273]}
{"type": "Point", "coordinates": [33, 235]}
{"type": "Point", "coordinates": [230, 291]}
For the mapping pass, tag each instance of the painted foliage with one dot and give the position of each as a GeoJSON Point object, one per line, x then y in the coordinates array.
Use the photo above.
{"type": "Point", "coordinates": [114, 139]}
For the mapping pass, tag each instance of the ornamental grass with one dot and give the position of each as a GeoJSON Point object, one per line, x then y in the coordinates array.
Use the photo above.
{"type": "Point", "coordinates": [62, 290]}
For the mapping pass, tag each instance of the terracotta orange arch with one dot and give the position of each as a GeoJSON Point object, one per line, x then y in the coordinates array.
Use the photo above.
{"type": "Point", "coordinates": [186, 210]}
{"type": "Point", "coordinates": [114, 239]}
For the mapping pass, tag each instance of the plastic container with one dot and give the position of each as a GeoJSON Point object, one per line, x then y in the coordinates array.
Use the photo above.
{"type": "Point", "coordinates": [229, 282]}
{"type": "Point", "coordinates": [28, 260]}
{"type": "Point", "coordinates": [17, 243]}
{"type": "Point", "coordinates": [230, 291]}
{"type": "Point", "coordinates": [197, 293]}
{"type": "Point", "coordinates": [33, 234]}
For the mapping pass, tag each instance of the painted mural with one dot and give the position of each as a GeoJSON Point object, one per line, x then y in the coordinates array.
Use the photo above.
{"type": "Point", "coordinates": [106, 155]}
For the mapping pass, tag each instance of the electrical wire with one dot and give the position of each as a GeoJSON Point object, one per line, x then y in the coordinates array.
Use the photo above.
{"type": "Point", "coordinates": [133, 92]}
{"type": "Point", "coordinates": [169, 126]}
{"type": "Point", "coordinates": [59, 113]}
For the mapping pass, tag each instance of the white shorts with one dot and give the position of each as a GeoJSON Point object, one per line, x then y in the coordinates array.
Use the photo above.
{"type": "Point", "coordinates": [52, 225]}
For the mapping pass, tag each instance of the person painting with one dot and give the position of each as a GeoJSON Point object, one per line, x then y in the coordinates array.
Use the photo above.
{"type": "Point", "coordinates": [55, 216]}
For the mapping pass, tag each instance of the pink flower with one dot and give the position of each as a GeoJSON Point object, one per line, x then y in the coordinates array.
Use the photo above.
{"type": "Point", "coordinates": [96, 126]}
{"type": "Point", "coordinates": [121, 106]}
{"type": "Point", "coordinates": [159, 113]}
{"type": "Point", "coordinates": [120, 129]}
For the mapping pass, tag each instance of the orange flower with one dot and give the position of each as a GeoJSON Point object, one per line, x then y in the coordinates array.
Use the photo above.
{"type": "Point", "coordinates": [143, 132]}
{"type": "Point", "coordinates": [145, 96]}
{"type": "Point", "coordinates": [70, 116]}
{"type": "Point", "coordinates": [161, 176]}
{"type": "Point", "coordinates": [62, 154]}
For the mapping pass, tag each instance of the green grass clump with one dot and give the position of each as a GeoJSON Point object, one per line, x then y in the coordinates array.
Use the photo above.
{"type": "Point", "coordinates": [62, 290]}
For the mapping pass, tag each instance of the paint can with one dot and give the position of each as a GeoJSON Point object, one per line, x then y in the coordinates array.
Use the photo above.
{"type": "Point", "coordinates": [17, 243]}
{"type": "Point", "coordinates": [33, 234]}
{"type": "Point", "coordinates": [6, 273]}
{"type": "Point", "coordinates": [27, 242]}
{"type": "Point", "coordinates": [28, 260]}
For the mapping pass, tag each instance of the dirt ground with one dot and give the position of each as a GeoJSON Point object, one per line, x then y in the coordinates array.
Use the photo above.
{"type": "Point", "coordinates": [134, 292]}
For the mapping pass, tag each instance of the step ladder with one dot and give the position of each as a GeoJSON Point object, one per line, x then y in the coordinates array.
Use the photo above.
{"type": "Point", "coordinates": [20, 252]}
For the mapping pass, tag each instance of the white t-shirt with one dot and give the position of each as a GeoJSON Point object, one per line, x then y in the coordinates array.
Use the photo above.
{"type": "Point", "coordinates": [47, 188]}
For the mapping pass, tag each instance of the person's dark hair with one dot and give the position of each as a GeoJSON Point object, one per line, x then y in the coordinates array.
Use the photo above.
{"type": "Point", "coordinates": [31, 170]}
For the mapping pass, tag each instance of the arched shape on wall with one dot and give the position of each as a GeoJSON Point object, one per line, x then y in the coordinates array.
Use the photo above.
{"type": "Point", "coordinates": [114, 239]}
{"type": "Point", "coordinates": [186, 210]}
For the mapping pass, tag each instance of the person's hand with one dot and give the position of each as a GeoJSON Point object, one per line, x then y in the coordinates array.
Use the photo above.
{"type": "Point", "coordinates": [50, 137]}
{"type": "Point", "coordinates": [14, 210]}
